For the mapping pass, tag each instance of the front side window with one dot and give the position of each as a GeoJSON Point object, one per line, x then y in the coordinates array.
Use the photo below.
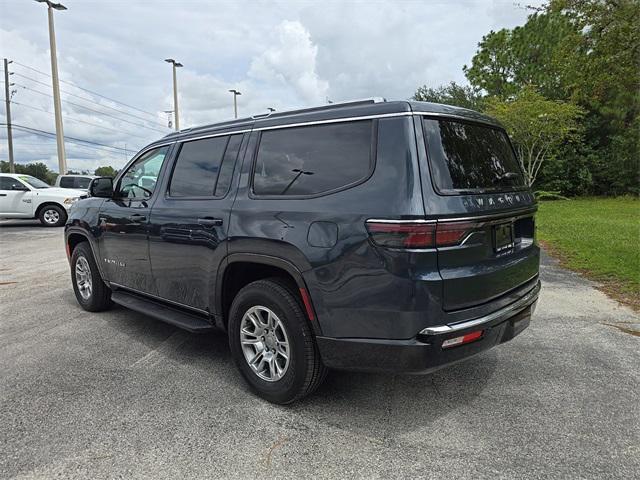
{"type": "Point", "coordinates": [313, 160]}
{"type": "Point", "coordinates": [139, 181]}
{"type": "Point", "coordinates": [471, 158]}
{"type": "Point", "coordinates": [7, 183]}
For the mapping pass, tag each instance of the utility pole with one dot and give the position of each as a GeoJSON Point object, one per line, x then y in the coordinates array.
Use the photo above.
{"type": "Point", "coordinates": [7, 99]}
{"type": "Point", "coordinates": [175, 91]}
{"type": "Point", "coordinates": [235, 102]}
{"type": "Point", "coordinates": [57, 107]}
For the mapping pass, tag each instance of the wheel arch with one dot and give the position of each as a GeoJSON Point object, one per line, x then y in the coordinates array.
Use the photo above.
{"type": "Point", "coordinates": [75, 236]}
{"type": "Point", "coordinates": [240, 269]}
{"type": "Point", "coordinates": [46, 203]}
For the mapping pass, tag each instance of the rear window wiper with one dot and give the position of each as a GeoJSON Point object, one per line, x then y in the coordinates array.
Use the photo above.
{"type": "Point", "coordinates": [507, 176]}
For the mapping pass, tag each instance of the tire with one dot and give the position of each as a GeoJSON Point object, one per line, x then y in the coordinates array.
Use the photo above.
{"type": "Point", "coordinates": [52, 216]}
{"type": "Point", "coordinates": [83, 268]}
{"type": "Point", "coordinates": [304, 371]}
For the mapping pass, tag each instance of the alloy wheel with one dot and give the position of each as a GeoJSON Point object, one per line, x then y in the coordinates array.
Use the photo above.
{"type": "Point", "coordinates": [51, 216]}
{"type": "Point", "coordinates": [265, 343]}
{"type": "Point", "coordinates": [83, 278]}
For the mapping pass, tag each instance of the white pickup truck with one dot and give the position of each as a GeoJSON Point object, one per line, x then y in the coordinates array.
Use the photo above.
{"type": "Point", "coordinates": [24, 196]}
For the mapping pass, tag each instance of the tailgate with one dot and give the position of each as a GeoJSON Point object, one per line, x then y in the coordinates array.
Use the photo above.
{"type": "Point", "coordinates": [495, 256]}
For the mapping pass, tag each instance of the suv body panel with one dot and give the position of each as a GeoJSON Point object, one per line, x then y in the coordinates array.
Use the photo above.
{"type": "Point", "coordinates": [363, 296]}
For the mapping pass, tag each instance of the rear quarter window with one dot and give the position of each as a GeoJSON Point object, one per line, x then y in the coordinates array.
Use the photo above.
{"type": "Point", "coordinates": [313, 160]}
{"type": "Point", "coordinates": [470, 158]}
{"type": "Point", "coordinates": [67, 182]}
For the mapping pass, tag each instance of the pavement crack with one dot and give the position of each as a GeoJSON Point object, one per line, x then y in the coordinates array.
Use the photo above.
{"type": "Point", "coordinates": [630, 331]}
{"type": "Point", "coordinates": [277, 444]}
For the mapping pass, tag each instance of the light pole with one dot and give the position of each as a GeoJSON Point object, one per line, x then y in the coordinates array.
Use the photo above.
{"type": "Point", "coordinates": [7, 98]}
{"type": "Point", "coordinates": [57, 107]}
{"type": "Point", "coordinates": [175, 91]}
{"type": "Point", "coordinates": [235, 102]}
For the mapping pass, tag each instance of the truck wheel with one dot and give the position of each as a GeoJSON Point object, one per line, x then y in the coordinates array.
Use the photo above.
{"type": "Point", "coordinates": [52, 216]}
{"type": "Point", "coordinates": [91, 292]}
{"type": "Point", "coordinates": [272, 344]}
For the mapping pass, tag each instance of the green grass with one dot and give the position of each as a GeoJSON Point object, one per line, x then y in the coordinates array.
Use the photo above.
{"type": "Point", "coordinates": [599, 237]}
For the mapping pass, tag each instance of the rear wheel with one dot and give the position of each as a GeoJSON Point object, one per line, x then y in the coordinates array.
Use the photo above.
{"type": "Point", "coordinates": [272, 343]}
{"type": "Point", "coordinates": [52, 216]}
{"type": "Point", "coordinates": [91, 292]}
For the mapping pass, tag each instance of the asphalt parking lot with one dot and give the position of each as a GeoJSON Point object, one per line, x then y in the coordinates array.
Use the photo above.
{"type": "Point", "coordinates": [120, 395]}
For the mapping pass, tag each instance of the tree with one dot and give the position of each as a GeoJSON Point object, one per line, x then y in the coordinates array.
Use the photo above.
{"type": "Point", "coordinates": [508, 60]}
{"type": "Point", "coordinates": [107, 171]}
{"type": "Point", "coordinates": [538, 127]}
{"type": "Point", "coordinates": [452, 94]}
{"type": "Point", "coordinates": [580, 51]}
{"type": "Point", "coordinates": [37, 169]}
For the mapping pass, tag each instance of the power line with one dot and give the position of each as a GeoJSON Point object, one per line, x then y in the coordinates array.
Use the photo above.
{"type": "Point", "coordinates": [86, 100]}
{"type": "Point", "coordinates": [90, 109]}
{"type": "Point", "coordinates": [72, 146]}
{"type": "Point", "coordinates": [73, 119]}
{"type": "Point", "coordinates": [85, 89]}
{"type": "Point", "coordinates": [37, 131]}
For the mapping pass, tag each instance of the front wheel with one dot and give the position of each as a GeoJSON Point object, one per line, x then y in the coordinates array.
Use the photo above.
{"type": "Point", "coordinates": [272, 344]}
{"type": "Point", "coordinates": [52, 216]}
{"type": "Point", "coordinates": [91, 292]}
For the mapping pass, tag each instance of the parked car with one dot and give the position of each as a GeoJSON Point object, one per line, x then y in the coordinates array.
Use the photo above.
{"type": "Point", "coordinates": [74, 181]}
{"type": "Point", "coordinates": [372, 235]}
{"type": "Point", "coordinates": [24, 196]}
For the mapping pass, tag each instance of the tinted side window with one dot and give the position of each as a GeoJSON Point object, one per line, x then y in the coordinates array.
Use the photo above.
{"type": "Point", "coordinates": [226, 169]}
{"type": "Point", "coordinates": [82, 182]}
{"type": "Point", "coordinates": [66, 182]}
{"type": "Point", "coordinates": [197, 166]}
{"type": "Point", "coordinates": [6, 182]}
{"type": "Point", "coordinates": [312, 160]}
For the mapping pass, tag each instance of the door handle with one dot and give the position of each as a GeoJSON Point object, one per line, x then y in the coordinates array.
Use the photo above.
{"type": "Point", "coordinates": [3, 194]}
{"type": "Point", "coordinates": [210, 221]}
{"type": "Point", "coordinates": [136, 217]}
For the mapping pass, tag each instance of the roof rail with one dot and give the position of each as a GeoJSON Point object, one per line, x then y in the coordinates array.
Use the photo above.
{"type": "Point", "coordinates": [322, 107]}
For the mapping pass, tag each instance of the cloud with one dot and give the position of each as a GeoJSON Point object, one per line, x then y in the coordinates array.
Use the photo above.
{"type": "Point", "coordinates": [281, 54]}
{"type": "Point", "coordinates": [292, 62]}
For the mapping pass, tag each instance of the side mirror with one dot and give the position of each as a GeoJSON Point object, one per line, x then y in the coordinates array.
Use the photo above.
{"type": "Point", "coordinates": [19, 187]}
{"type": "Point", "coordinates": [101, 187]}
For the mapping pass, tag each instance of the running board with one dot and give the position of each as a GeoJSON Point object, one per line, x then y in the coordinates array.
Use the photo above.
{"type": "Point", "coordinates": [187, 321]}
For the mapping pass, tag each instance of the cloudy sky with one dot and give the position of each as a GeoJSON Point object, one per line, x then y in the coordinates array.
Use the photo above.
{"type": "Point", "coordinates": [282, 54]}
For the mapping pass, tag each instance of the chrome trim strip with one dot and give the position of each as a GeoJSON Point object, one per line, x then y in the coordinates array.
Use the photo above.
{"type": "Point", "coordinates": [504, 312]}
{"type": "Point", "coordinates": [459, 117]}
{"type": "Point", "coordinates": [212, 135]}
{"type": "Point", "coordinates": [178, 304]}
{"type": "Point", "coordinates": [335, 120]}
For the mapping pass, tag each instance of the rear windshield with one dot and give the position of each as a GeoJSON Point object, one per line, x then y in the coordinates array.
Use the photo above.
{"type": "Point", "coordinates": [471, 158]}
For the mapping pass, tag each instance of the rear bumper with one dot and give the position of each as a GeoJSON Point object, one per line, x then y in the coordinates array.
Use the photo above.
{"type": "Point", "coordinates": [424, 353]}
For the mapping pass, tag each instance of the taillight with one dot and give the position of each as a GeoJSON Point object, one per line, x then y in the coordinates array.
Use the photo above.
{"type": "Point", "coordinates": [402, 235]}
{"type": "Point", "coordinates": [452, 233]}
{"type": "Point", "coordinates": [407, 234]}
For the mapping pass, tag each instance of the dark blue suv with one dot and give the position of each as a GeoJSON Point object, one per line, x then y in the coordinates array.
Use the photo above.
{"type": "Point", "coordinates": [369, 235]}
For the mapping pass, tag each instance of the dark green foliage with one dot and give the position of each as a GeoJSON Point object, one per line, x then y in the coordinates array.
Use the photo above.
{"type": "Point", "coordinates": [38, 170]}
{"type": "Point", "coordinates": [107, 171]}
{"type": "Point", "coordinates": [582, 52]}
{"type": "Point", "coordinates": [452, 94]}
